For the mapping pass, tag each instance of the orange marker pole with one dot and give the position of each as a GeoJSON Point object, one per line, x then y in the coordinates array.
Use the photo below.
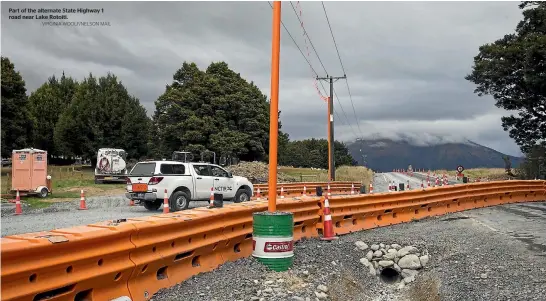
{"type": "Point", "coordinates": [274, 106]}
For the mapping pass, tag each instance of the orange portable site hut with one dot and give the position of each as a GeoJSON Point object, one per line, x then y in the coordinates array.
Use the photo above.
{"type": "Point", "coordinates": [29, 171]}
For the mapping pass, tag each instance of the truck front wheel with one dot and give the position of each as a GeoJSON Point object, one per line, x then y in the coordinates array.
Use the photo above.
{"type": "Point", "coordinates": [152, 205]}
{"type": "Point", "coordinates": [179, 201]}
{"type": "Point", "coordinates": [242, 195]}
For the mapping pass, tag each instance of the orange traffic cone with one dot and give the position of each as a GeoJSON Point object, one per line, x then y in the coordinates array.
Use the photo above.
{"type": "Point", "coordinates": [165, 203]}
{"type": "Point", "coordinates": [371, 187]}
{"type": "Point", "coordinates": [82, 201]}
{"type": "Point", "coordinates": [328, 230]}
{"type": "Point", "coordinates": [211, 199]}
{"type": "Point", "coordinates": [304, 191]}
{"type": "Point", "coordinates": [18, 208]}
{"type": "Point", "coordinates": [258, 194]}
{"type": "Point", "coordinates": [282, 192]}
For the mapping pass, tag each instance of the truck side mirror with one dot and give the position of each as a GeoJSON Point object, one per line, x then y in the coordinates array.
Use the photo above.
{"type": "Point", "coordinates": [230, 175]}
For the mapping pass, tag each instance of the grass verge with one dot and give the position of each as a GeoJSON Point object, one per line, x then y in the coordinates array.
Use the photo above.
{"type": "Point", "coordinates": [67, 183]}
{"type": "Point", "coordinates": [489, 173]}
{"type": "Point", "coordinates": [343, 173]}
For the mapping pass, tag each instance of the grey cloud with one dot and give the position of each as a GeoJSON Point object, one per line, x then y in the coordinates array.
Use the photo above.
{"type": "Point", "coordinates": [405, 61]}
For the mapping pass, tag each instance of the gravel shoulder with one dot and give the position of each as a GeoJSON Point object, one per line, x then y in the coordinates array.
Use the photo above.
{"type": "Point", "coordinates": [66, 214]}
{"type": "Point", "coordinates": [480, 254]}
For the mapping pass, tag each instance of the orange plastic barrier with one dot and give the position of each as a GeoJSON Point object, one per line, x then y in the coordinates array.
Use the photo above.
{"type": "Point", "coordinates": [171, 248]}
{"type": "Point", "coordinates": [139, 256]}
{"type": "Point", "coordinates": [355, 213]}
{"type": "Point", "coordinates": [306, 215]}
{"type": "Point", "coordinates": [296, 189]}
{"type": "Point", "coordinates": [76, 263]}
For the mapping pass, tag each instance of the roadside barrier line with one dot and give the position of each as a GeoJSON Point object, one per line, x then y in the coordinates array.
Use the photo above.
{"type": "Point", "coordinates": [138, 256]}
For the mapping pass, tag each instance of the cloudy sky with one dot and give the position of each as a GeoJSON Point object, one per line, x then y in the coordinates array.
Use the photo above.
{"type": "Point", "coordinates": [405, 61]}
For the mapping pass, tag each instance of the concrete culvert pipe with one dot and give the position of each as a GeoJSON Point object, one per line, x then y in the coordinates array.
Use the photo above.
{"type": "Point", "coordinates": [389, 275]}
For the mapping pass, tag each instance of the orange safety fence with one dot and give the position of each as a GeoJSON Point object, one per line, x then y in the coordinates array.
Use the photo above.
{"type": "Point", "coordinates": [139, 256]}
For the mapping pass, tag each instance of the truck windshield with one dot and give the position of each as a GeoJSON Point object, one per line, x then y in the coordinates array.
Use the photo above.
{"type": "Point", "coordinates": [143, 169]}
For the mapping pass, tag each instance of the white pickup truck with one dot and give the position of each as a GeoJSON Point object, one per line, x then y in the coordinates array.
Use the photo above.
{"type": "Point", "coordinates": [185, 182]}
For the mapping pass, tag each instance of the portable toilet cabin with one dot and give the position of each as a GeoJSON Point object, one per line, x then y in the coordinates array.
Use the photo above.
{"type": "Point", "coordinates": [29, 171]}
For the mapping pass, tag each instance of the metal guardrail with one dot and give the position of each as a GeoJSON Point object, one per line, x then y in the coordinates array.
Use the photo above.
{"type": "Point", "coordinates": [136, 257]}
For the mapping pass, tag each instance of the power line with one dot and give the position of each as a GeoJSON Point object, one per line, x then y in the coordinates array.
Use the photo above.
{"type": "Point", "coordinates": [343, 69]}
{"type": "Point", "coordinates": [293, 40]}
{"type": "Point", "coordinates": [305, 32]}
{"type": "Point", "coordinates": [342, 110]}
{"type": "Point", "coordinates": [311, 66]}
{"type": "Point", "coordinates": [332, 33]}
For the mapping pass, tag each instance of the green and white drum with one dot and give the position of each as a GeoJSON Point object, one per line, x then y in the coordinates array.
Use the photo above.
{"type": "Point", "coordinates": [273, 239]}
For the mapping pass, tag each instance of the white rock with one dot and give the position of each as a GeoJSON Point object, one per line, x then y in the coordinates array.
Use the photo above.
{"type": "Point", "coordinates": [374, 247]}
{"type": "Point", "coordinates": [483, 276]}
{"type": "Point", "coordinates": [409, 279]}
{"type": "Point", "coordinates": [386, 263]}
{"type": "Point", "coordinates": [369, 255]}
{"type": "Point", "coordinates": [280, 280]}
{"type": "Point", "coordinates": [268, 282]}
{"type": "Point", "coordinates": [361, 245]}
{"type": "Point", "coordinates": [372, 270]}
{"type": "Point", "coordinates": [408, 273]}
{"type": "Point", "coordinates": [256, 282]}
{"type": "Point", "coordinates": [296, 298]}
{"type": "Point", "coordinates": [322, 288]}
{"type": "Point", "coordinates": [268, 290]}
{"type": "Point", "coordinates": [401, 285]}
{"type": "Point", "coordinates": [306, 273]}
{"type": "Point", "coordinates": [392, 251]}
{"type": "Point", "coordinates": [410, 261]}
{"type": "Point", "coordinates": [382, 245]}
{"type": "Point", "coordinates": [255, 298]}
{"type": "Point", "coordinates": [397, 268]}
{"type": "Point", "coordinates": [407, 250]}
{"type": "Point", "coordinates": [321, 295]}
{"type": "Point", "coordinates": [365, 261]}
{"type": "Point", "coordinates": [377, 253]}
{"type": "Point", "coordinates": [424, 260]}
{"type": "Point", "coordinates": [396, 246]}
{"type": "Point", "coordinates": [390, 256]}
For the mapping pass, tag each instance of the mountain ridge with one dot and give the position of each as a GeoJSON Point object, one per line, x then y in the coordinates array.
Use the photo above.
{"type": "Point", "coordinates": [384, 154]}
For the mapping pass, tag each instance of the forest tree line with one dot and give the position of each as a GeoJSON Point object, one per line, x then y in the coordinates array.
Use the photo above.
{"type": "Point", "coordinates": [201, 110]}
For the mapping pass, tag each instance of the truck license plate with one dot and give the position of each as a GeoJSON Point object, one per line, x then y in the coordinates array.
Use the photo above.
{"type": "Point", "coordinates": [108, 178]}
{"type": "Point", "coordinates": [140, 195]}
{"type": "Point", "coordinates": [140, 187]}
